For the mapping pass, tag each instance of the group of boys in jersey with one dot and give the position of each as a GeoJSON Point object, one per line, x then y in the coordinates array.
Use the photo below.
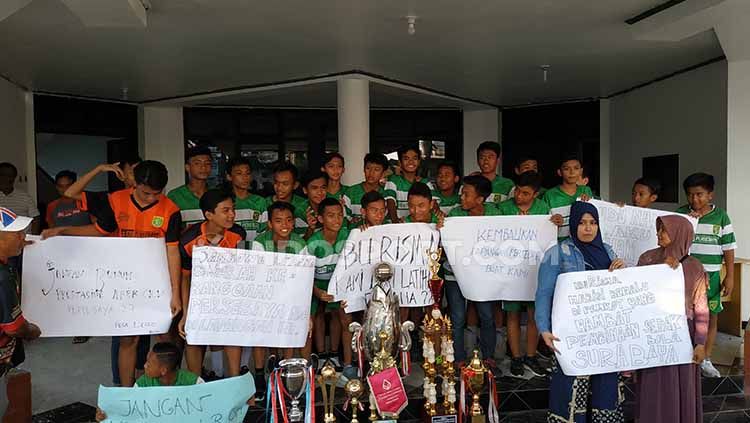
{"type": "Point", "coordinates": [314, 214]}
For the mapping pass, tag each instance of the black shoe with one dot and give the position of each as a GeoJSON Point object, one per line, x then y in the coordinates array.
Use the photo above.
{"type": "Point", "coordinates": [517, 369]}
{"type": "Point", "coordinates": [532, 363]}
{"type": "Point", "coordinates": [260, 388]}
{"type": "Point", "coordinates": [244, 370]}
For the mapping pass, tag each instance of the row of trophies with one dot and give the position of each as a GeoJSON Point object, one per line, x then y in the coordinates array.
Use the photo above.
{"type": "Point", "coordinates": [379, 338]}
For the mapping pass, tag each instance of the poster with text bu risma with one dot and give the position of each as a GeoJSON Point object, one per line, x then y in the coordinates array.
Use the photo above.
{"type": "Point", "coordinates": [403, 246]}
{"type": "Point", "coordinates": [629, 319]}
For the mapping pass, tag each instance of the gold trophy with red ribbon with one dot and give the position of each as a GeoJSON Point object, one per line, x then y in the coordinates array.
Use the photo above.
{"type": "Point", "coordinates": [437, 350]}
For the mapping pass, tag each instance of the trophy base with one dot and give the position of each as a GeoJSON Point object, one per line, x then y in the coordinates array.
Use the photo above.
{"type": "Point", "coordinates": [442, 418]}
{"type": "Point", "coordinates": [478, 419]}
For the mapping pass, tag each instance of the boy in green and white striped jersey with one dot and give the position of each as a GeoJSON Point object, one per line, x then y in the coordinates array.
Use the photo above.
{"type": "Point", "coordinates": [250, 209]}
{"type": "Point", "coordinates": [713, 243]}
{"type": "Point", "coordinates": [397, 186]}
{"type": "Point", "coordinates": [187, 197]}
{"type": "Point", "coordinates": [560, 198]}
{"type": "Point", "coordinates": [374, 167]}
{"type": "Point", "coordinates": [326, 245]}
{"type": "Point", "coordinates": [448, 192]}
{"type": "Point", "coordinates": [306, 215]}
{"type": "Point", "coordinates": [333, 166]}
{"type": "Point", "coordinates": [285, 181]}
{"type": "Point", "coordinates": [488, 160]}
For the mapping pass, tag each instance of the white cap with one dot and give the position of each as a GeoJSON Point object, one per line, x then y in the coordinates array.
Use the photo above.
{"type": "Point", "coordinates": [10, 222]}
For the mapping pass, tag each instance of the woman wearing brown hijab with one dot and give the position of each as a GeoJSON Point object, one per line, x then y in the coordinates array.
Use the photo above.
{"type": "Point", "coordinates": [673, 393]}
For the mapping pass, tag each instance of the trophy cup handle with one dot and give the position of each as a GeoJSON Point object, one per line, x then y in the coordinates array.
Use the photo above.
{"type": "Point", "coordinates": [405, 338]}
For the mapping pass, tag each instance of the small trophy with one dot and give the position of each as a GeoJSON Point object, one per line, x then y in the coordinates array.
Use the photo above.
{"type": "Point", "coordinates": [327, 379]}
{"type": "Point", "coordinates": [294, 373]}
{"type": "Point", "coordinates": [438, 353]}
{"type": "Point", "coordinates": [354, 390]}
{"type": "Point", "coordinates": [474, 375]}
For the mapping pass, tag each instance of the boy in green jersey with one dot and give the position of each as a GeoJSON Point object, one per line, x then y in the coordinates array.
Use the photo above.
{"type": "Point", "coordinates": [333, 166]}
{"type": "Point", "coordinates": [326, 245]}
{"type": "Point", "coordinates": [489, 154]}
{"type": "Point", "coordinates": [250, 209]}
{"type": "Point", "coordinates": [314, 186]}
{"type": "Point", "coordinates": [524, 203]}
{"type": "Point", "coordinates": [397, 186]}
{"type": "Point", "coordinates": [420, 205]}
{"type": "Point", "coordinates": [525, 164]}
{"type": "Point", "coordinates": [474, 193]}
{"type": "Point", "coordinates": [447, 193]}
{"type": "Point", "coordinates": [374, 167]}
{"type": "Point", "coordinates": [560, 198]}
{"type": "Point", "coordinates": [187, 197]}
{"type": "Point", "coordinates": [285, 182]}
{"type": "Point", "coordinates": [714, 243]}
{"type": "Point", "coordinates": [279, 238]}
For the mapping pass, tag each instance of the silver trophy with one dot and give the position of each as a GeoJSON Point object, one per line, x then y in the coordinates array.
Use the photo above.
{"type": "Point", "coordinates": [382, 317]}
{"type": "Point", "coordinates": [294, 377]}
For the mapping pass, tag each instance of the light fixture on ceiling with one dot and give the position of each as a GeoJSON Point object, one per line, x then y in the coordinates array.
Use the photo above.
{"type": "Point", "coordinates": [545, 72]}
{"type": "Point", "coordinates": [411, 21]}
{"type": "Point", "coordinates": [124, 95]}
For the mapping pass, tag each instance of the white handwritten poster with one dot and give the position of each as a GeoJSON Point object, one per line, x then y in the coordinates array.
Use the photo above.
{"type": "Point", "coordinates": [404, 246]}
{"type": "Point", "coordinates": [629, 319]}
{"type": "Point", "coordinates": [249, 298]}
{"type": "Point", "coordinates": [630, 231]}
{"type": "Point", "coordinates": [81, 286]}
{"type": "Point", "coordinates": [497, 257]}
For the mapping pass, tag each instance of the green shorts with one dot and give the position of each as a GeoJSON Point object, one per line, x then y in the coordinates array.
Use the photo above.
{"type": "Point", "coordinates": [322, 284]}
{"type": "Point", "coordinates": [517, 305]}
{"type": "Point", "coordinates": [714, 293]}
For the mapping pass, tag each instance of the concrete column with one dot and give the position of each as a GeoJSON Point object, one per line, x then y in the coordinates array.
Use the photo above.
{"type": "Point", "coordinates": [738, 152]}
{"type": "Point", "coordinates": [354, 125]}
{"type": "Point", "coordinates": [604, 148]}
{"type": "Point", "coordinates": [479, 126]}
{"type": "Point", "coordinates": [161, 137]}
{"type": "Point", "coordinates": [30, 135]}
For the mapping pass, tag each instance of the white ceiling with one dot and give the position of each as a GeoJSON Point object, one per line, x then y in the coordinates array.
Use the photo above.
{"type": "Point", "coordinates": [488, 50]}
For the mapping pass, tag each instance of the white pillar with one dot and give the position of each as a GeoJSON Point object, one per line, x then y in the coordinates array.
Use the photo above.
{"type": "Point", "coordinates": [30, 134]}
{"type": "Point", "coordinates": [479, 126]}
{"type": "Point", "coordinates": [738, 152]}
{"type": "Point", "coordinates": [354, 125]}
{"type": "Point", "coordinates": [161, 137]}
{"type": "Point", "coordinates": [604, 148]}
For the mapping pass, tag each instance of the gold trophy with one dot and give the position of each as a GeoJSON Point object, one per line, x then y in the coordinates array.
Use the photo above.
{"type": "Point", "coordinates": [327, 379]}
{"type": "Point", "coordinates": [354, 389]}
{"type": "Point", "coordinates": [475, 374]}
{"type": "Point", "coordinates": [437, 349]}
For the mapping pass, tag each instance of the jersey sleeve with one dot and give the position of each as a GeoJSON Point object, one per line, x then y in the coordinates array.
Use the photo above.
{"type": "Point", "coordinates": [186, 260]}
{"type": "Point", "coordinates": [97, 204]}
{"type": "Point", "coordinates": [172, 235]}
{"type": "Point", "coordinates": [11, 318]}
{"type": "Point", "coordinates": [389, 190]}
{"type": "Point", "coordinates": [727, 240]}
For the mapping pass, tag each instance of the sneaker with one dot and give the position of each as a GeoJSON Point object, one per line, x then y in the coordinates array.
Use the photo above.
{"type": "Point", "coordinates": [335, 362]}
{"type": "Point", "coordinates": [260, 388]}
{"type": "Point", "coordinates": [708, 369]}
{"type": "Point", "coordinates": [517, 368]}
{"type": "Point", "coordinates": [532, 363]}
{"type": "Point", "coordinates": [350, 372]}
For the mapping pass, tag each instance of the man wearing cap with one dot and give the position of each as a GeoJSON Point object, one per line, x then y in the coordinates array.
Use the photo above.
{"type": "Point", "coordinates": [13, 326]}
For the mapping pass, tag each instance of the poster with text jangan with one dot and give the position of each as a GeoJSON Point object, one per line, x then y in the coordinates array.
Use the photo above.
{"type": "Point", "coordinates": [629, 319]}
{"type": "Point", "coordinates": [631, 231]}
{"type": "Point", "coordinates": [403, 246]}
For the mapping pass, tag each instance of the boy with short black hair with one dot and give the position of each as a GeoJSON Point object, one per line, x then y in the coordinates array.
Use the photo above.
{"type": "Point", "coordinates": [333, 166]}
{"type": "Point", "coordinates": [139, 212]}
{"type": "Point", "coordinates": [314, 185]}
{"type": "Point", "coordinates": [373, 210]}
{"type": "Point", "coordinates": [713, 244]}
{"type": "Point", "coordinates": [326, 245]}
{"type": "Point", "coordinates": [447, 193]}
{"type": "Point", "coordinates": [285, 182]}
{"type": "Point", "coordinates": [198, 165]}
{"type": "Point", "coordinates": [474, 192]}
{"type": "Point", "coordinates": [250, 209]}
{"type": "Point", "coordinates": [419, 199]}
{"type": "Point", "coordinates": [525, 164]}
{"type": "Point", "coordinates": [218, 230]}
{"type": "Point", "coordinates": [375, 165]}
{"type": "Point", "coordinates": [397, 186]}
{"type": "Point", "coordinates": [489, 154]}
{"type": "Point", "coordinates": [561, 197]}
{"type": "Point", "coordinates": [279, 238]}
{"type": "Point", "coordinates": [645, 192]}
{"type": "Point", "coordinates": [64, 211]}
{"type": "Point", "coordinates": [523, 203]}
